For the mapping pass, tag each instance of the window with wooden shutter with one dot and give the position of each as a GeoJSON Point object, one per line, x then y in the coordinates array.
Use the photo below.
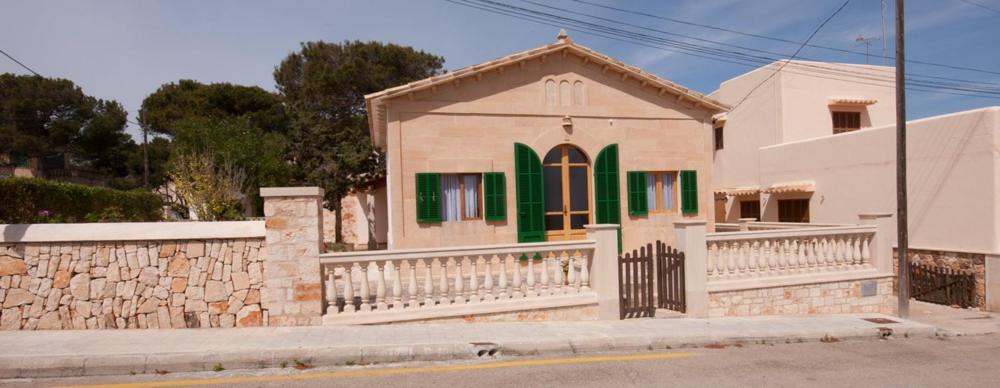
{"type": "Point", "coordinates": [638, 202]}
{"type": "Point", "coordinates": [428, 197]}
{"type": "Point", "coordinates": [530, 194]}
{"type": "Point", "coordinates": [495, 194]}
{"type": "Point", "coordinates": [689, 191]}
{"type": "Point", "coordinates": [846, 121]}
{"type": "Point", "coordinates": [606, 194]}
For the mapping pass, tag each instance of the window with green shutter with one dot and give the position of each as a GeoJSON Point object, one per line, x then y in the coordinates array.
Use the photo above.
{"type": "Point", "coordinates": [689, 191]}
{"type": "Point", "coordinates": [530, 194]}
{"type": "Point", "coordinates": [495, 196]}
{"type": "Point", "coordinates": [638, 203]}
{"type": "Point", "coordinates": [606, 195]}
{"type": "Point", "coordinates": [428, 197]}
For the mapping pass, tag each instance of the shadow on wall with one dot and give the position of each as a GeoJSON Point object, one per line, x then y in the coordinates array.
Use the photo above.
{"type": "Point", "coordinates": [14, 232]}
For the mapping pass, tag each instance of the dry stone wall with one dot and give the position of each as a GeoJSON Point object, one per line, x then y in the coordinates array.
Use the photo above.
{"type": "Point", "coordinates": [806, 299]}
{"type": "Point", "coordinates": [152, 284]}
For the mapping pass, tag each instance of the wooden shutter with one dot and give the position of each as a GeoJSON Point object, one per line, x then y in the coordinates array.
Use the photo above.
{"type": "Point", "coordinates": [637, 201]}
{"type": "Point", "coordinates": [530, 194]}
{"type": "Point", "coordinates": [495, 196]}
{"type": "Point", "coordinates": [606, 196]}
{"type": "Point", "coordinates": [689, 191]}
{"type": "Point", "coordinates": [428, 197]}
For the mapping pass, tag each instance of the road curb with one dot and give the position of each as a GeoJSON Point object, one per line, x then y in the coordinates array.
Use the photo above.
{"type": "Point", "coordinates": [124, 364]}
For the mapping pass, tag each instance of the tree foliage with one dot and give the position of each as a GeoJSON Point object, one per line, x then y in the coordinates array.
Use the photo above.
{"type": "Point", "coordinates": [324, 85]}
{"type": "Point", "coordinates": [42, 117]}
{"type": "Point", "coordinates": [213, 191]}
{"type": "Point", "coordinates": [174, 103]}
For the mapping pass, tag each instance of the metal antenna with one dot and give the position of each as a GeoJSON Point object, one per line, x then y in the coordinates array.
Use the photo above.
{"type": "Point", "coordinates": [868, 45]}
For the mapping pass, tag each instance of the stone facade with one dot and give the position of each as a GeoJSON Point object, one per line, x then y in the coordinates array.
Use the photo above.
{"type": "Point", "coordinates": [959, 261]}
{"type": "Point", "coordinates": [293, 293]}
{"type": "Point", "coordinates": [142, 284]}
{"type": "Point", "coordinates": [806, 299]}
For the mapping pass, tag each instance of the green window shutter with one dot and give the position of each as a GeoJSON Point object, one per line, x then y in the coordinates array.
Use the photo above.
{"type": "Point", "coordinates": [637, 201]}
{"type": "Point", "coordinates": [428, 197]}
{"type": "Point", "coordinates": [689, 191]}
{"type": "Point", "coordinates": [530, 194]}
{"type": "Point", "coordinates": [495, 196]}
{"type": "Point", "coordinates": [606, 194]}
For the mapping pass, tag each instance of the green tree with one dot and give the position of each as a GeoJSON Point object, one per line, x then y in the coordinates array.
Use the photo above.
{"type": "Point", "coordinates": [172, 103]}
{"type": "Point", "coordinates": [42, 117]}
{"type": "Point", "coordinates": [242, 126]}
{"type": "Point", "coordinates": [324, 85]}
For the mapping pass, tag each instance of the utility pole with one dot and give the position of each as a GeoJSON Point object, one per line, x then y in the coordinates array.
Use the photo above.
{"type": "Point", "coordinates": [901, 222]}
{"type": "Point", "coordinates": [145, 157]}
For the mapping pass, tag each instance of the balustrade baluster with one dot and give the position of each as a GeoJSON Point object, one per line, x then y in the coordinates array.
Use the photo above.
{"type": "Point", "coordinates": [839, 246]}
{"type": "Point", "coordinates": [488, 280]}
{"type": "Point", "coordinates": [713, 252]}
{"type": "Point", "coordinates": [380, 304]}
{"type": "Point", "coordinates": [459, 292]}
{"type": "Point", "coordinates": [732, 260]}
{"type": "Point", "coordinates": [849, 251]}
{"type": "Point", "coordinates": [397, 287]}
{"type": "Point", "coordinates": [741, 258]}
{"type": "Point", "coordinates": [772, 256]}
{"type": "Point", "coordinates": [721, 256]}
{"type": "Point", "coordinates": [821, 253]}
{"type": "Point", "coordinates": [502, 283]}
{"type": "Point", "coordinates": [443, 298]}
{"type": "Point", "coordinates": [331, 292]}
{"type": "Point", "coordinates": [866, 254]}
{"type": "Point", "coordinates": [543, 283]}
{"type": "Point", "coordinates": [571, 273]}
{"type": "Point", "coordinates": [348, 290]}
{"type": "Point", "coordinates": [365, 289]}
{"type": "Point", "coordinates": [782, 255]}
{"type": "Point", "coordinates": [411, 291]}
{"type": "Point", "coordinates": [530, 280]}
{"type": "Point", "coordinates": [754, 254]}
{"type": "Point", "coordinates": [584, 272]}
{"type": "Point", "coordinates": [516, 291]}
{"type": "Point", "coordinates": [560, 286]}
{"type": "Point", "coordinates": [474, 280]}
{"type": "Point", "coordinates": [857, 242]}
{"type": "Point", "coordinates": [428, 283]}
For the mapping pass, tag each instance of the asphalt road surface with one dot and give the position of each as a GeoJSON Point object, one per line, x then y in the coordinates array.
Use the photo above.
{"type": "Point", "coordinates": [945, 362]}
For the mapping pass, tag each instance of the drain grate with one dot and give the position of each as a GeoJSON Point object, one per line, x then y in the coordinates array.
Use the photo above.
{"type": "Point", "coordinates": [879, 320]}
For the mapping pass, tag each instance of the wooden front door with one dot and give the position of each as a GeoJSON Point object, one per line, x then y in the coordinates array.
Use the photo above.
{"type": "Point", "coordinates": [567, 193]}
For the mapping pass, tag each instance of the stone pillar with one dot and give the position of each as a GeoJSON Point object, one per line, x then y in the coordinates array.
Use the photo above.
{"type": "Point", "coordinates": [604, 270]}
{"type": "Point", "coordinates": [690, 239]}
{"type": "Point", "coordinates": [293, 221]}
{"type": "Point", "coordinates": [745, 224]}
{"type": "Point", "coordinates": [882, 245]}
{"type": "Point", "coordinates": [993, 283]}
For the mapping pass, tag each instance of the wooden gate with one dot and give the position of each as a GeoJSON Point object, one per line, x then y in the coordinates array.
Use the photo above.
{"type": "Point", "coordinates": [670, 278]}
{"type": "Point", "coordinates": [649, 279]}
{"type": "Point", "coordinates": [942, 285]}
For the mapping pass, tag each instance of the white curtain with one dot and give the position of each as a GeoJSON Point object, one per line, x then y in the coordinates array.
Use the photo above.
{"type": "Point", "coordinates": [650, 192]}
{"type": "Point", "coordinates": [451, 206]}
{"type": "Point", "coordinates": [668, 191]}
{"type": "Point", "coordinates": [471, 183]}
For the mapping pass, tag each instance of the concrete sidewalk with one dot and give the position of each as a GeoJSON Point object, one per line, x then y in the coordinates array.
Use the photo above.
{"type": "Point", "coordinates": [108, 352]}
{"type": "Point", "coordinates": [954, 321]}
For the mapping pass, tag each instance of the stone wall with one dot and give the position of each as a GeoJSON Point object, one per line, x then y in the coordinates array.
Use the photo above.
{"type": "Point", "coordinates": [822, 298]}
{"type": "Point", "coordinates": [141, 284]}
{"type": "Point", "coordinates": [959, 261]}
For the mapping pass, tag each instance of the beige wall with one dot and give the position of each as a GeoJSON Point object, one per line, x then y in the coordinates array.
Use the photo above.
{"type": "Point", "coordinates": [472, 127]}
{"type": "Point", "coordinates": [953, 172]}
{"type": "Point", "coordinates": [792, 105]}
{"type": "Point", "coordinates": [365, 220]}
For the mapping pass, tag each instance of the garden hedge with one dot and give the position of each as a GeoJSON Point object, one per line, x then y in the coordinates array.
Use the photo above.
{"type": "Point", "coordinates": [34, 200]}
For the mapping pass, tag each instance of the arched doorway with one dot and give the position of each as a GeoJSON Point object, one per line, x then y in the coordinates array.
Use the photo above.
{"type": "Point", "coordinates": [566, 172]}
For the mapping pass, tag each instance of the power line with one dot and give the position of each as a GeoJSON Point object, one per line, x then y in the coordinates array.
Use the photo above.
{"type": "Point", "coordinates": [777, 39]}
{"type": "Point", "coordinates": [803, 45]}
{"type": "Point", "coordinates": [710, 53]}
{"type": "Point", "coordinates": [19, 63]}
{"type": "Point", "coordinates": [983, 6]}
{"type": "Point", "coordinates": [888, 71]}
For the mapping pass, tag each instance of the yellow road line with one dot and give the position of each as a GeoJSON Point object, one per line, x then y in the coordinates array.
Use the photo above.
{"type": "Point", "coordinates": [394, 371]}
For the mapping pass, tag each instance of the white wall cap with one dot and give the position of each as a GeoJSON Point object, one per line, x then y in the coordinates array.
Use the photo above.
{"type": "Point", "coordinates": [684, 224]}
{"type": "Point", "coordinates": [311, 191]}
{"type": "Point", "coordinates": [131, 231]}
{"type": "Point", "coordinates": [601, 226]}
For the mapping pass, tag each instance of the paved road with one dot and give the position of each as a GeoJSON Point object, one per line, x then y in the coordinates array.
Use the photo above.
{"type": "Point", "coordinates": [957, 361]}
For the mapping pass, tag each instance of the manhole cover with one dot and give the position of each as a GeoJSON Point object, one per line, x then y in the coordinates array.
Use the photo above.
{"type": "Point", "coordinates": [879, 320]}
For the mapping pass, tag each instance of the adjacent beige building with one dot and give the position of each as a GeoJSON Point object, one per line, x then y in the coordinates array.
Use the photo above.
{"type": "Point", "coordinates": [535, 145]}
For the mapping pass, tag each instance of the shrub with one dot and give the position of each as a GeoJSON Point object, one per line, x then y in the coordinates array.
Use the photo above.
{"type": "Point", "coordinates": [34, 200]}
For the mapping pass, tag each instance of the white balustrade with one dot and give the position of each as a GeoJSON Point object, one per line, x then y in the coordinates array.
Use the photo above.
{"type": "Point", "coordinates": [777, 252]}
{"type": "Point", "coordinates": [407, 280]}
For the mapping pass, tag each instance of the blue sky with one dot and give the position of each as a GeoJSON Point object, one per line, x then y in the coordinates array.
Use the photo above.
{"type": "Point", "coordinates": [125, 49]}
